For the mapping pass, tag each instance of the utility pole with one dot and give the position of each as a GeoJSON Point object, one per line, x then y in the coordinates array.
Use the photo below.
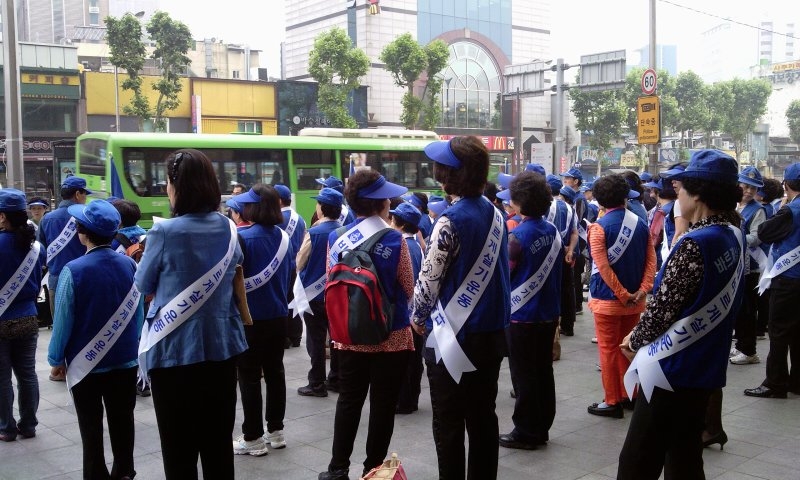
{"type": "Point", "coordinates": [15, 172]}
{"type": "Point", "coordinates": [653, 149]}
{"type": "Point", "coordinates": [519, 150]}
{"type": "Point", "coordinates": [560, 134]}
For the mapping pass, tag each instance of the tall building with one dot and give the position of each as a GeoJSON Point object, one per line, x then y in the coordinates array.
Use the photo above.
{"type": "Point", "coordinates": [726, 50]}
{"type": "Point", "coordinates": [52, 21]}
{"type": "Point", "coordinates": [666, 58]}
{"type": "Point", "coordinates": [484, 37]}
{"type": "Point", "coordinates": [777, 42]}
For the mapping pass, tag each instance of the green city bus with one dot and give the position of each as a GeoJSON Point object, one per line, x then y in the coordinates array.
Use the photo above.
{"type": "Point", "coordinates": [131, 165]}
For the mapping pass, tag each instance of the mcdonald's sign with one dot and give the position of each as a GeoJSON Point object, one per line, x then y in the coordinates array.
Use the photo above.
{"type": "Point", "coordinates": [493, 143]}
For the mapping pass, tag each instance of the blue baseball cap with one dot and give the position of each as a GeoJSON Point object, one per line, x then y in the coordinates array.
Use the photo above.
{"type": "Point", "coordinates": [535, 167]}
{"type": "Point", "coordinates": [751, 176]}
{"type": "Point", "coordinates": [646, 177]}
{"type": "Point", "coordinates": [555, 183]}
{"type": "Point", "coordinates": [631, 192]}
{"type": "Point", "coordinates": [98, 216]}
{"type": "Point", "coordinates": [77, 183]}
{"type": "Point", "coordinates": [504, 194]}
{"type": "Point", "coordinates": [39, 201]}
{"type": "Point", "coordinates": [672, 171]}
{"type": "Point", "coordinates": [573, 173]}
{"type": "Point", "coordinates": [586, 187]}
{"type": "Point", "coordinates": [435, 198]}
{"type": "Point", "coordinates": [413, 199]}
{"type": "Point", "coordinates": [441, 152]}
{"type": "Point", "coordinates": [659, 184]}
{"type": "Point", "coordinates": [234, 205]}
{"type": "Point", "coordinates": [330, 196]}
{"type": "Point", "coordinates": [331, 182]}
{"type": "Point", "coordinates": [567, 193]}
{"type": "Point", "coordinates": [710, 165]}
{"type": "Point", "coordinates": [407, 213]}
{"type": "Point", "coordinates": [250, 196]}
{"type": "Point", "coordinates": [438, 207]}
{"type": "Point", "coordinates": [283, 192]}
{"type": "Point", "coordinates": [792, 172]}
{"type": "Point", "coordinates": [12, 200]}
{"type": "Point", "coordinates": [504, 179]}
{"type": "Point", "coordinates": [381, 189]}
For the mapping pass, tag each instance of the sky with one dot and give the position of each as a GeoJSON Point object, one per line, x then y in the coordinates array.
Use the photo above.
{"type": "Point", "coordinates": [600, 26]}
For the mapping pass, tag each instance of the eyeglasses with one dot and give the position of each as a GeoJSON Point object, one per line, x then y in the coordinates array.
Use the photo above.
{"type": "Point", "coordinates": [176, 163]}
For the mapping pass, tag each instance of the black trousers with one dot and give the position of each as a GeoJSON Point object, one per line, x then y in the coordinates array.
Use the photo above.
{"type": "Point", "coordinates": [470, 404]}
{"type": "Point", "coordinates": [410, 389]}
{"type": "Point", "coordinates": [316, 341]}
{"type": "Point", "coordinates": [747, 317]}
{"type": "Point", "coordinates": [784, 336]}
{"type": "Point", "coordinates": [295, 324]}
{"type": "Point", "coordinates": [116, 389]}
{"type": "Point", "coordinates": [665, 433]}
{"type": "Point", "coordinates": [567, 298]}
{"type": "Point", "coordinates": [762, 319]}
{"type": "Point", "coordinates": [380, 374]}
{"type": "Point", "coordinates": [265, 355]}
{"type": "Point", "coordinates": [530, 358]}
{"type": "Point", "coordinates": [195, 409]}
{"type": "Point", "coordinates": [577, 280]}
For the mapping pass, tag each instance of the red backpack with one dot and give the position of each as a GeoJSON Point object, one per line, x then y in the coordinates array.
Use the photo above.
{"type": "Point", "coordinates": [359, 312]}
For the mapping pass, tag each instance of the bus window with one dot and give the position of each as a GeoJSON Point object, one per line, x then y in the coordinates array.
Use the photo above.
{"type": "Point", "coordinates": [136, 174]}
{"type": "Point", "coordinates": [312, 157]}
{"type": "Point", "coordinates": [410, 169]}
{"type": "Point", "coordinates": [307, 177]}
{"type": "Point", "coordinates": [93, 157]}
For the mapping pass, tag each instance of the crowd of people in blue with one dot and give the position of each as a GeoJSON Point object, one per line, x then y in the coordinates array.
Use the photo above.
{"type": "Point", "coordinates": [674, 264]}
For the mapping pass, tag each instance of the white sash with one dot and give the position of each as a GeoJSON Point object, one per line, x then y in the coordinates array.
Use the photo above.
{"type": "Point", "coordinates": [645, 368]}
{"type": "Point", "coordinates": [760, 258]}
{"type": "Point", "coordinates": [521, 295]}
{"type": "Point", "coordinates": [185, 304]}
{"type": "Point", "coordinates": [355, 236]}
{"type": "Point", "coordinates": [121, 249]}
{"type": "Point", "coordinates": [294, 219]}
{"type": "Point", "coordinates": [343, 215]}
{"type": "Point", "coordinates": [448, 321]}
{"type": "Point", "coordinates": [551, 214]}
{"type": "Point", "coordinates": [97, 348]}
{"type": "Point", "coordinates": [665, 243]}
{"type": "Point", "coordinates": [787, 261]}
{"type": "Point", "coordinates": [18, 279]}
{"type": "Point", "coordinates": [622, 241]}
{"type": "Point", "coordinates": [299, 305]}
{"type": "Point", "coordinates": [261, 278]}
{"type": "Point", "coordinates": [62, 240]}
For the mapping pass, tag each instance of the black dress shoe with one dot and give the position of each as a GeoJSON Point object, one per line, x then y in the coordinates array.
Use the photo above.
{"type": "Point", "coordinates": [628, 404]}
{"type": "Point", "coordinates": [511, 440]}
{"type": "Point", "coordinates": [313, 391]}
{"type": "Point", "coordinates": [614, 411]}
{"type": "Point", "coordinates": [764, 392]}
{"type": "Point", "coordinates": [334, 475]}
{"type": "Point", "coordinates": [332, 385]}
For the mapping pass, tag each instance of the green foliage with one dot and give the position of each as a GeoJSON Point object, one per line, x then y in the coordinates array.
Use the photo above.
{"type": "Point", "coordinates": [337, 66]}
{"type": "Point", "coordinates": [748, 102]}
{"type": "Point", "coordinates": [172, 41]}
{"type": "Point", "coordinates": [603, 114]}
{"type": "Point", "coordinates": [406, 60]}
{"type": "Point", "coordinates": [793, 118]}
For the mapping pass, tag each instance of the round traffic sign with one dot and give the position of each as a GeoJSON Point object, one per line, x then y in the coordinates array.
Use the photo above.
{"type": "Point", "coordinates": [649, 82]}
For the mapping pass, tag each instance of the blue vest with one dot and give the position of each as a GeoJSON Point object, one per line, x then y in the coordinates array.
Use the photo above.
{"type": "Point", "coordinates": [790, 242]}
{"type": "Point", "coordinates": [669, 222]}
{"type": "Point", "coordinates": [629, 269]}
{"type": "Point", "coordinates": [51, 226]}
{"type": "Point", "coordinates": [536, 236]}
{"type": "Point", "coordinates": [101, 279]}
{"type": "Point", "coordinates": [704, 363]}
{"type": "Point", "coordinates": [24, 304]}
{"type": "Point", "coordinates": [260, 245]}
{"type": "Point", "coordinates": [635, 206]}
{"type": "Point", "coordinates": [298, 234]}
{"type": "Point", "coordinates": [415, 251]}
{"type": "Point", "coordinates": [472, 219]}
{"type": "Point", "coordinates": [386, 255]}
{"type": "Point", "coordinates": [425, 225]}
{"type": "Point", "coordinates": [317, 257]}
{"type": "Point", "coordinates": [748, 212]}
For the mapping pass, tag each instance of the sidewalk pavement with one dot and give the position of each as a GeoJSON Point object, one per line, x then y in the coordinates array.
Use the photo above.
{"type": "Point", "coordinates": [764, 433]}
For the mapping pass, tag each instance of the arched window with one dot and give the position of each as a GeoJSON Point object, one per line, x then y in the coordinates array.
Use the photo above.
{"type": "Point", "coordinates": [471, 95]}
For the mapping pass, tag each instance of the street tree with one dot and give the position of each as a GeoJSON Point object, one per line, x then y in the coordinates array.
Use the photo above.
{"type": "Point", "coordinates": [337, 65]}
{"type": "Point", "coordinates": [691, 96]}
{"type": "Point", "coordinates": [438, 55]}
{"type": "Point", "coordinates": [718, 98]}
{"type": "Point", "coordinates": [748, 102]}
{"type": "Point", "coordinates": [793, 119]}
{"type": "Point", "coordinates": [172, 41]}
{"type": "Point", "coordinates": [601, 116]}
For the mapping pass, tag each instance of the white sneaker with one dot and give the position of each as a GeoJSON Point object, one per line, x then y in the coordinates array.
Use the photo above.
{"type": "Point", "coordinates": [743, 359]}
{"type": "Point", "coordinates": [256, 448]}
{"type": "Point", "coordinates": [275, 439]}
{"type": "Point", "coordinates": [734, 352]}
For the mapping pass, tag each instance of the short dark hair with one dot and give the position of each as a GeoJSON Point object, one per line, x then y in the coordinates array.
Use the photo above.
{"type": "Point", "coordinates": [363, 207]}
{"type": "Point", "coordinates": [405, 226]}
{"type": "Point", "coordinates": [794, 185]}
{"type": "Point", "coordinates": [24, 233]}
{"type": "Point", "coordinates": [267, 212]}
{"type": "Point", "coordinates": [490, 191]}
{"type": "Point", "coordinates": [717, 196]}
{"type": "Point", "coordinates": [668, 192]}
{"type": "Point", "coordinates": [68, 193]}
{"type": "Point", "coordinates": [772, 189]}
{"type": "Point", "coordinates": [93, 237]}
{"type": "Point", "coordinates": [530, 191]}
{"type": "Point", "coordinates": [194, 181]}
{"type": "Point", "coordinates": [238, 185]}
{"type": "Point", "coordinates": [470, 179]}
{"type": "Point", "coordinates": [128, 211]}
{"type": "Point", "coordinates": [610, 191]}
{"type": "Point", "coordinates": [424, 200]}
{"type": "Point", "coordinates": [330, 211]}
{"type": "Point", "coordinates": [634, 181]}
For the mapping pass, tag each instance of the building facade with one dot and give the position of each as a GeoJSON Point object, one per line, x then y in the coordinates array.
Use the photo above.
{"type": "Point", "coordinates": [484, 37]}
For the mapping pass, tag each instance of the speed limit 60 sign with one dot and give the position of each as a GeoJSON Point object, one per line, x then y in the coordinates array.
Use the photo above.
{"type": "Point", "coordinates": [649, 82]}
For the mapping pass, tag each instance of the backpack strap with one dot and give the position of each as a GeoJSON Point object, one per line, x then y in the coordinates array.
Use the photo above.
{"type": "Point", "coordinates": [123, 240]}
{"type": "Point", "coordinates": [373, 240]}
